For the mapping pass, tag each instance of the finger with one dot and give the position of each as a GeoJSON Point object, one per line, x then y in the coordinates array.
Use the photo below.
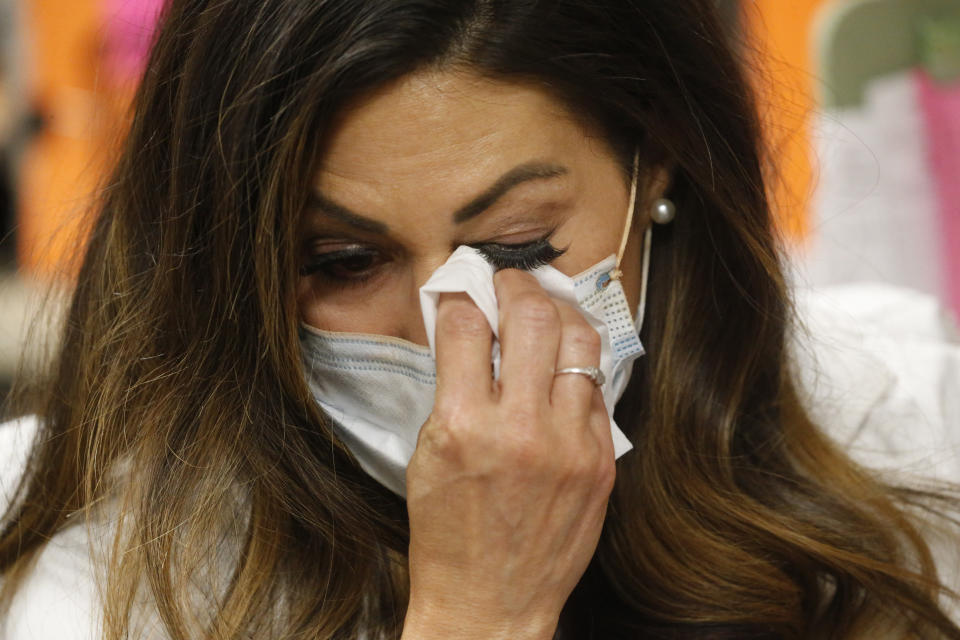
{"type": "Point", "coordinates": [572, 394]}
{"type": "Point", "coordinates": [464, 341]}
{"type": "Point", "coordinates": [600, 424]}
{"type": "Point", "coordinates": [529, 336]}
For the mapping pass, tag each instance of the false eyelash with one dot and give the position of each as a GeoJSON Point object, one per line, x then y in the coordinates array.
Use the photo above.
{"type": "Point", "coordinates": [525, 256]}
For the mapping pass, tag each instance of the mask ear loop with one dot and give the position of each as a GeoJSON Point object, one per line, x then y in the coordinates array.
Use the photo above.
{"type": "Point", "coordinates": [644, 274]}
{"type": "Point", "coordinates": [616, 273]}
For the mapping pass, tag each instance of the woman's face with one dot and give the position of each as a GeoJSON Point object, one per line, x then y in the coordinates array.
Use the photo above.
{"type": "Point", "coordinates": [438, 160]}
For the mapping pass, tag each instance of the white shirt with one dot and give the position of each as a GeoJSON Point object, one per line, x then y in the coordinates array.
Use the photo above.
{"type": "Point", "coordinates": [58, 599]}
{"type": "Point", "coordinates": [880, 368]}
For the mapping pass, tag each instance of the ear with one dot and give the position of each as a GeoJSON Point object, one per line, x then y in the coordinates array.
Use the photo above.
{"type": "Point", "coordinates": [658, 181]}
{"type": "Point", "coordinates": [655, 184]}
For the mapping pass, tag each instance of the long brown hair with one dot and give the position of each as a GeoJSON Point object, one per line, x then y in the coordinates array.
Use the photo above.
{"type": "Point", "coordinates": [178, 394]}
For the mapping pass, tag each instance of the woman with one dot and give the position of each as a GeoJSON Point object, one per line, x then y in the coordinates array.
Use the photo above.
{"type": "Point", "coordinates": [311, 164]}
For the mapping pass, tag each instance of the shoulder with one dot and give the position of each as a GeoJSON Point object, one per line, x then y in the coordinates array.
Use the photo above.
{"type": "Point", "coordinates": [16, 439]}
{"type": "Point", "coordinates": [879, 368]}
{"type": "Point", "coordinates": [58, 597]}
{"type": "Point", "coordinates": [61, 595]}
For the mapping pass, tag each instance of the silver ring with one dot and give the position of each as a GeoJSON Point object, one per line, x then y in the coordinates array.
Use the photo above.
{"type": "Point", "coordinates": [591, 372]}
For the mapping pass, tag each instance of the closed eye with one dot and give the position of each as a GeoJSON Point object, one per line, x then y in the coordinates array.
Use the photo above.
{"type": "Point", "coordinates": [350, 264]}
{"type": "Point", "coordinates": [526, 256]}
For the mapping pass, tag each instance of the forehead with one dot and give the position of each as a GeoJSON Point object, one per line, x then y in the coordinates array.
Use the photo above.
{"type": "Point", "coordinates": [442, 126]}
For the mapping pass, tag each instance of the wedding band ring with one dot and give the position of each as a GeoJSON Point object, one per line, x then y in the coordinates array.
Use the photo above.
{"type": "Point", "coordinates": [591, 372]}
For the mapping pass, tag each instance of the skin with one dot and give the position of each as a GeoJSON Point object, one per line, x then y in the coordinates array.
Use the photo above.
{"type": "Point", "coordinates": [405, 159]}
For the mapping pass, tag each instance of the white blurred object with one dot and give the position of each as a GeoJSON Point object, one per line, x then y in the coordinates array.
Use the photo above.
{"type": "Point", "coordinates": [874, 209]}
{"type": "Point", "coordinates": [30, 316]}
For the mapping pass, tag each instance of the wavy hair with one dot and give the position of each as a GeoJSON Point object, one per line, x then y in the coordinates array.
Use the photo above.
{"type": "Point", "coordinates": [178, 396]}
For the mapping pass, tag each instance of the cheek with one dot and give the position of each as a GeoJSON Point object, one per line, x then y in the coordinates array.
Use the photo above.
{"type": "Point", "coordinates": [595, 230]}
{"type": "Point", "coordinates": [341, 310]}
{"type": "Point", "coordinates": [588, 240]}
{"type": "Point", "coordinates": [388, 308]}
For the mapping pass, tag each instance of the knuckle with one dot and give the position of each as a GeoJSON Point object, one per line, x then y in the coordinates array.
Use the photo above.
{"type": "Point", "coordinates": [445, 431]}
{"type": "Point", "coordinates": [606, 475]}
{"type": "Point", "coordinates": [585, 468]}
{"type": "Point", "coordinates": [445, 410]}
{"type": "Point", "coordinates": [568, 469]}
{"type": "Point", "coordinates": [570, 464]}
{"type": "Point", "coordinates": [583, 338]}
{"type": "Point", "coordinates": [441, 438]}
{"type": "Point", "coordinates": [461, 318]}
{"type": "Point", "coordinates": [588, 466]}
{"type": "Point", "coordinates": [535, 310]}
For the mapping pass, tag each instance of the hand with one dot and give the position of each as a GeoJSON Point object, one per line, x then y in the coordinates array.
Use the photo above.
{"type": "Point", "coordinates": [508, 487]}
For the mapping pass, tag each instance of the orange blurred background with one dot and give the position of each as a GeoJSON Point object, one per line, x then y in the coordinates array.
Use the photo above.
{"type": "Point", "coordinates": [80, 84]}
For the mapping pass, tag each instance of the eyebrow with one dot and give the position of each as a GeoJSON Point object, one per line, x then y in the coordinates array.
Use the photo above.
{"type": "Point", "coordinates": [518, 175]}
{"type": "Point", "coordinates": [341, 213]}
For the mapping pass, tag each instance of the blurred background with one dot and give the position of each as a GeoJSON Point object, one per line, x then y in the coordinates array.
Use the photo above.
{"type": "Point", "coordinates": [860, 100]}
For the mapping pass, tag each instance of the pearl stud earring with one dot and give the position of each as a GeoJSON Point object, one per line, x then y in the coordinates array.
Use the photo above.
{"type": "Point", "coordinates": [663, 211]}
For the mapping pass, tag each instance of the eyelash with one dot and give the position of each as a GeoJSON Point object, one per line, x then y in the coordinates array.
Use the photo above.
{"type": "Point", "coordinates": [526, 256]}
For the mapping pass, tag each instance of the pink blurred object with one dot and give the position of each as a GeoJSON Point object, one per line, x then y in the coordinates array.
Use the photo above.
{"type": "Point", "coordinates": [940, 109]}
{"type": "Point", "coordinates": [128, 27]}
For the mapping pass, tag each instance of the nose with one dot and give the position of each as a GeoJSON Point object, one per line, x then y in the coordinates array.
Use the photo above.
{"type": "Point", "coordinates": [410, 320]}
